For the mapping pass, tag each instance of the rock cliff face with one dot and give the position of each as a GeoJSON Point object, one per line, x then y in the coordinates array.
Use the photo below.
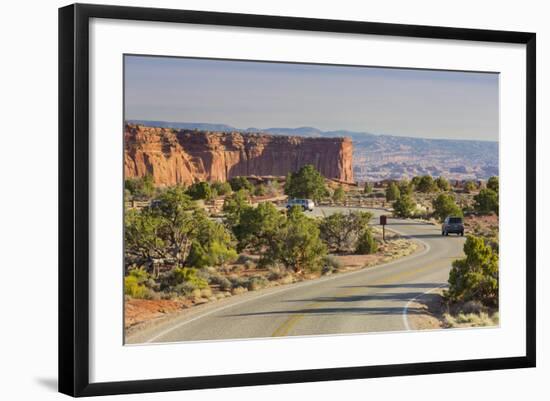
{"type": "Point", "coordinates": [186, 156]}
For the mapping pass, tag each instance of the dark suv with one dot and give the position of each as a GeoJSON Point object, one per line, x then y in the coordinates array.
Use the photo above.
{"type": "Point", "coordinates": [452, 224]}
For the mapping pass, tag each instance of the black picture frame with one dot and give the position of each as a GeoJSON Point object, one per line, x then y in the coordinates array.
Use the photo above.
{"type": "Point", "coordinates": [74, 198]}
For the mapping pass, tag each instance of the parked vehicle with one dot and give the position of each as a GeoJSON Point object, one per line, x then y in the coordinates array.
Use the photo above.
{"type": "Point", "coordinates": [305, 204]}
{"type": "Point", "coordinates": [452, 224]}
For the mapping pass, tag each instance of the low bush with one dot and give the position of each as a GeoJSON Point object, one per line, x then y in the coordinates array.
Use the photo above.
{"type": "Point", "coordinates": [237, 281]}
{"type": "Point", "coordinates": [366, 244]}
{"type": "Point", "coordinates": [183, 278]}
{"type": "Point", "coordinates": [250, 265]}
{"type": "Point", "coordinates": [152, 295]}
{"type": "Point", "coordinates": [288, 279]}
{"type": "Point", "coordinates": [331, 263]}
{"type": "Point", "coordinates": [222, 282]}
{"type": "Point", "coordinates": [137, 282]}
{"type": "Point", "coordinates": [201, 190]}
{"type": "Point", "coordinates": [257, 283]}
{"type": "Point", "coordinates": [242, 259]}
{"type": "Point", "coordinates": [238, 290]}
{"type": "Point", "coordinates": [204, 274]}
{"type": "Point", "coordinates": [133, 288]}
{"type": "Point", "coordinates": [237, 268]}
{"type": "Point", "coordinates": [276, 273]}
{"type": "Point", "coordinates": [260, 190]}
{"type": "Point", "coordinates": [471, 319]}
{"type": "Point", "coordinates": [473, 307]}
{"type": "Point", "coordinates": [168, 295]}
{"type": "Point", "coordinates": [222, 188]}
{"type": "Point", "coordinates": [238, 183]}
{"type": "Point", "coordinates": [184, 289]}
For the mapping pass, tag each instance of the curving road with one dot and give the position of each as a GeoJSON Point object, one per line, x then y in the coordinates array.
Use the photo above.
{"type": "Point", "coordinates": [369, 300]}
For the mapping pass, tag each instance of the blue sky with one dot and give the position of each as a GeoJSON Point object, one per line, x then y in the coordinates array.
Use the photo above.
{"type": "Point", "coordinates": [418, 103]}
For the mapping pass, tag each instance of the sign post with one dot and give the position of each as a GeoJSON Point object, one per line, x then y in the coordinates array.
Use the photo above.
{"type": "Point", "coordinates": [383, 222]}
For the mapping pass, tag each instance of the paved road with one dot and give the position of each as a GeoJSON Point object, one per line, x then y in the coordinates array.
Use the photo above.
{"type": "Point", "coordinates": [369, 300]}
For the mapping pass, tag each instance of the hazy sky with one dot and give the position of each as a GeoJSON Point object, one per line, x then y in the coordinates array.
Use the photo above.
{"type": "Point", "coordinates": [429, 104]}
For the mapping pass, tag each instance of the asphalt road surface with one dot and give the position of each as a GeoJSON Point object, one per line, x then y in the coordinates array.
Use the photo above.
{"type": "Point", "coordinates": [370, 300]}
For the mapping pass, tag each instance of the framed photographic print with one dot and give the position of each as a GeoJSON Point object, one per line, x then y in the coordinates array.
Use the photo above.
{"type": "Point", "coordinates": [277, 199]}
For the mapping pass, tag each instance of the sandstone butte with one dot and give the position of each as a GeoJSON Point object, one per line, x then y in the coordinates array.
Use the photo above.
{"type": "Point", "coordinates": [186, 156]}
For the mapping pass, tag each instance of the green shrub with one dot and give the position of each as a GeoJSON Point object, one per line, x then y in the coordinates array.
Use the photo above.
{"type": "Point", "coordinates": [444, 205]}
{"type": "Point", "coordinates": [493, 184]}
{"type": "Point", "coordinates": [201, 190]}
{"type": "Point", "coordinates": [234, 206]}
{"type": "Point", "coordinates": [340, 231]}
{"type": "Point", "coordinates": [306, 183]}
{"type": "Point", "coordinates": [368, 188]}
{"type": "Point", "coordinates": [392, 192]}
{"type": "Point", "coordinates": [185, 277]}
{"type": "Point", "coordinates": [175, 211]}
{"type": "Point", "coordinates": [426, 184]}
{"type": "Point", "coordinates": [469, 186]}
{"type": "Point", "coordinates": [486, 201]}
{"type": "Point", "coordinates": [404, 207]}
{"type": "Point", "coordinates": [405, 187]}
{"type": "Point", "coordinates": [211, 254]}
{"type": "Point", "coordinates": [298, 245]}
{"type": "Point", "coordinates": [273, 187]}
{"type": "Point", "coordinates": [258, 228]}
{"type": "Point", "coordinates": [339, 194]}
{"type": "Point", "coordinates": [366, 244]}
{"type": "Point", "coordinates": [442, 184]}
{"type": "Point", "coordinates": [239, 183]}
{"type": "Point", "coordinates": [260, 190]}
{"type": "Point", "coordinates": [140, 188]}
{"type": "Point", "coordinates": [222, 188]}
{"type": "Point", "coordinates": [133, 288]}
{"type": "Point", "coordinates": [475, 278]}
{"type": "Point", "coordinates": [141, 275]}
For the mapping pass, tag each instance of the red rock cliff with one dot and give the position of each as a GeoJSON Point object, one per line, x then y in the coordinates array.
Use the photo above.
{"type": "Point", "coordinates": [184, 156]}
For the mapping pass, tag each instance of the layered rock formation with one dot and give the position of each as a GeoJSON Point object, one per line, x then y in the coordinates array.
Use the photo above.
{"type": "Point", "coordinates": [186, 156]}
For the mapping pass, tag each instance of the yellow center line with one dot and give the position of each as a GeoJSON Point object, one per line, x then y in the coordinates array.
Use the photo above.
{"type": "Point", "coordinates": [291, 322]}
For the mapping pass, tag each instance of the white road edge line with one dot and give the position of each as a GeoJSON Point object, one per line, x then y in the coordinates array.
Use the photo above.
{"type": "Point", "coordinates": [406, 308]}
{"type": "Point", "coordinates": [427, 248]}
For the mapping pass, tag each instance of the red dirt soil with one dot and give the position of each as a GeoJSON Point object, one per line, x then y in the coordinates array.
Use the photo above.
{"type": "Point", "coordinates": [139, 310]}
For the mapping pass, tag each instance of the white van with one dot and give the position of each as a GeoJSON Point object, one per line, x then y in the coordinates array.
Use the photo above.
{"type": "Point", "coordinates": [306, 204]}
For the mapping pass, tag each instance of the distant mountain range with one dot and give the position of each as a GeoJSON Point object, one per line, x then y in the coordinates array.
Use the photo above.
{"type": "Point", "coordinates": [379, 157]}
{"type": "Point", "coordinates": [300, 131]}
